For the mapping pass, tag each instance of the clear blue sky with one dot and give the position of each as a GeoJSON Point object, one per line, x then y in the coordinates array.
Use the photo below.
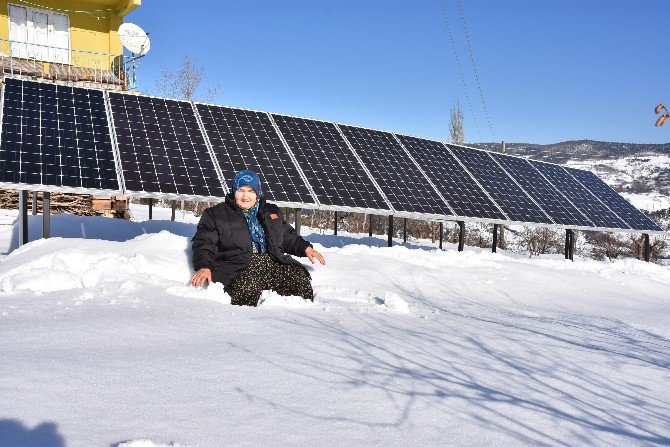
{"type": "Point", "coordinates": [549, 71]}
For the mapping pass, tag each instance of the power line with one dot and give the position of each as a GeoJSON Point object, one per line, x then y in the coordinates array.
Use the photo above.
{"type": "Point", "coordinates": [474, 68]}
{"type": "Point", "coordinates": [460, 69]}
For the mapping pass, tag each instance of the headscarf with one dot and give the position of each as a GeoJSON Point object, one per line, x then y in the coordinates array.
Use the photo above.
{"type": "Point", "coordinates": [255, 229]}
{"type": "Point", "coordinates": [250, 178]}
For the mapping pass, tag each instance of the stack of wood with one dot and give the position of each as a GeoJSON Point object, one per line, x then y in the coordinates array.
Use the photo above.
{"type": "Point", "coordinates": [80, 205]}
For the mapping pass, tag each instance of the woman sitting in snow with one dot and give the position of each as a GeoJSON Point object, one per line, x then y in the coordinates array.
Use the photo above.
{"type": "Point", "coordinates": [243, 242]}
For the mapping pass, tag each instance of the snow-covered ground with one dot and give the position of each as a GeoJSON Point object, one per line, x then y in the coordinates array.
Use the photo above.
{"type": "Point", "coordinates": [102, 343]}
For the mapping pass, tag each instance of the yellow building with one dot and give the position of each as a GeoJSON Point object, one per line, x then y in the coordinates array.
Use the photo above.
{"type": "Point", "coordinates": [73, 41]}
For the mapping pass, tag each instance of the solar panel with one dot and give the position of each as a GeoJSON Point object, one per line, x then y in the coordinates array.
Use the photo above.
{"type": "Point", "coordinates": [161, 147]}
{"type": "Point", "coordinates": [245, 139]}
{"type": "Point", "coordinates": [55, 136]}
{"type": "Point", "coordinates": [394, 171]}
{"type": "Point", "coordinates": [518, 206]}
{"type": "Point", "coordinates": [627, 212]}
{"type": "Point", "coordinates": [597, 213]}
{"type": "Point", "coordinates": [543, 192]}
{"type": "Point", "coordinates": [336, 176]}
{"type": "Point", "coordinates": [463, 194]}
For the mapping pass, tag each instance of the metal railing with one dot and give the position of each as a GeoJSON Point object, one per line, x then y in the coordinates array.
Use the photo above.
{"type": "Point", "coordinates": [74, 67]}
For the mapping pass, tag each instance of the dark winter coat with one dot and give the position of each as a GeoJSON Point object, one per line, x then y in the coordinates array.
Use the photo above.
{"type": "Point", "coordinates": [222, 242]}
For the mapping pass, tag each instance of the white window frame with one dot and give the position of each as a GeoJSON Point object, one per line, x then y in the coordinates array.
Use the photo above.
{"type": "Point", "coordinates": [32, 50]}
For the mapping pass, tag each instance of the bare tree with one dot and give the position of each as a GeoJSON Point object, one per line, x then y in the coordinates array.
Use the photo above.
{"type": "Point", "coordinates": [456, 125]}
{"type": "Point", "coordinates": [185, 82]}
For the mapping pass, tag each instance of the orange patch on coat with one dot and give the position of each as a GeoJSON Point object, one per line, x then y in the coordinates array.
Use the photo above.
{"type": "Point", "coordinates": [274, 216]}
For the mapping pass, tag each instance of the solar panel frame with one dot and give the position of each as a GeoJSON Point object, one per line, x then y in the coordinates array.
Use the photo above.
{"type": "Point", "coordinates": [439, 202]}
{"type": "Point", "coordinates": [40, 187]}
{"type": "Point", "coordinates": [356, 163]}
{"type": "Point", "coordinates": [562, 211]}
{"type": "Point", "coordinates": [626, 211]}
{"type": "Point", "coordinates": [228, 174]}
{"type": "Point", "coordinates": [577, 191]}
{"type": "Point", "coordinates": [195, 146]}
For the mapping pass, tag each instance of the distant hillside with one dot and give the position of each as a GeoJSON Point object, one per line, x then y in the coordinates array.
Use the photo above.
{"type": "Point", "coordinates": [627, 167]}
{"type": "Point", "coordinates": [577, 150]}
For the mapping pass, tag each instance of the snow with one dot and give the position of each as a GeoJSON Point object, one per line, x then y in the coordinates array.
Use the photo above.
{"type": "Point", "coordinates": [103, 343]}
{"type": "Point", "coordinates": [652, 201]}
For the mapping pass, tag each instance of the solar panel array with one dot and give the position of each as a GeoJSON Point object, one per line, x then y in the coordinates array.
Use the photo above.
{"type": "Point", "coordinates": [161, 147]}
{"type": "Point", "coordinates": [395, 172]}
{"type": "Point", "coordinates": [516, 204]}
{"type": "Point", "coordinates": [245, 139]}
{"type": "Point", "coordinates": [555, 204]}
{"type": "Point", "coordinates": [583, 199]}
{"type": "Point", "coordinates": [631, 215]}
{"type": "Point", "coordinates": [337, 178]}
{"type": "Point", "coordinates": [458, 188]}
{"type": "Point", "coordinates": [56, 137]}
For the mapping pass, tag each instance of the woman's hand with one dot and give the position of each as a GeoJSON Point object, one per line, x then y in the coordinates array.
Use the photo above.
{"type": "Point", "coordinates": [311, 254]}
{"type": "Point", "coordinates": [200, 277]}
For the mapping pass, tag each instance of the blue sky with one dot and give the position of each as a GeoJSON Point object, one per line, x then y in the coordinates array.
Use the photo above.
{"type": "Point", "coordinates": [549, 71]}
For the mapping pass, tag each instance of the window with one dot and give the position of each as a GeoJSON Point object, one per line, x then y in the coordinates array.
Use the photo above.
{"type": "Point", "coordinates": [39, 34]}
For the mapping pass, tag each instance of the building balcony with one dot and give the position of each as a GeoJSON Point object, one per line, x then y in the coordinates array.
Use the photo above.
{"type": "Point", "coordinates": [78, 68]}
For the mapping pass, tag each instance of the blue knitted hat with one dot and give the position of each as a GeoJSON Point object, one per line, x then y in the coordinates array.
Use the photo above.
{"type": "Point", "coordinates": [250, 178]}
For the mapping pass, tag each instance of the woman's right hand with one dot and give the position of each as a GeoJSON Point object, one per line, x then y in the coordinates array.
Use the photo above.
{"type": "Point", "coordinates": [200, 277]}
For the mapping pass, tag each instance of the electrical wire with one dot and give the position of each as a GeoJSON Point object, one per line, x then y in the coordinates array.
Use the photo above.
{"type": "Point", "coordinates": [460, 69]}
{"type": "Point", "coordinates": [474, 68]}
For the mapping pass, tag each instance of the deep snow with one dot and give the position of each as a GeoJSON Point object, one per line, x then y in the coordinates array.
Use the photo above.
{"type": "Point", "coordinates": [103, 343]}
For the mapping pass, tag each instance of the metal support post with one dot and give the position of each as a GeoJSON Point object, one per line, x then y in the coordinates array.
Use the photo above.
{"type": "Point", "coordinates": [46, 215]}
{"type": "Point", "coordinates": [174, 210]}
{"type": "Point", "coordinates": [297, 221]}
{"type": "Point", "coordinates": [404, 230]}
{"type": "Point", "coordinates": [390, 242]}
{"type": "Point", "coordinates": [646, 247]}
{"type": "Point", "coordinates": [495, 238]}
{"type": "Point", "coordinates": [151, 208]}
{"type": "Point", "coordinates": [370, 232]}
{"type": "Point", "coordinates": [461, 235]}
{"type": "Point", "coordinates": [34, 203]}
{"type": "Point", "coordinates": [23, 217]}
{"type": "Point", "coordinates": [569, 244]}
{"type": "Point", "coordinates": [335, 224]}
{"type": "Point", "coordinates": [441, 234]}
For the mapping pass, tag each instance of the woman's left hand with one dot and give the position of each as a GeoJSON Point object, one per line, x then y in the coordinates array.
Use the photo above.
{"type": "Point", "coordinates": [311, 254]}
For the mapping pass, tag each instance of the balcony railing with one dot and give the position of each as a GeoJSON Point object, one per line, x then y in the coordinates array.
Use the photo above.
{"type": "Point", "coordinates": [63, 65]}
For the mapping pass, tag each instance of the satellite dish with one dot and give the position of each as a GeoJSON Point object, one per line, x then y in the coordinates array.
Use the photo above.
{"type": "Point", "coordinates": [134, 38]}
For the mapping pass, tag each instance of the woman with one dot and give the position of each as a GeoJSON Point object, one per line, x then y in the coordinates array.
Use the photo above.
{"type": "Point", "coordinates": [245, 244]}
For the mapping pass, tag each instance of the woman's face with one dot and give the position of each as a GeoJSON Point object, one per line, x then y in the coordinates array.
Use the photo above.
{"type": "Point", "coordinates": [245, 197]}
